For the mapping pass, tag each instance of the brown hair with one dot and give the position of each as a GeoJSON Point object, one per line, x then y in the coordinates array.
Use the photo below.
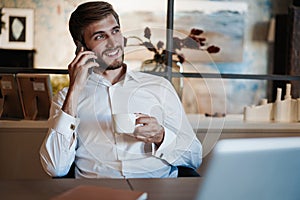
{"type": "Point", "coordinates": [88, 13]}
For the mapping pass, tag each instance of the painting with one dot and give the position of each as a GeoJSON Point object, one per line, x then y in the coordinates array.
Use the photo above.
{"type": "Point", "coordinates": [18, 29]}
{"type": "Point", "coordinates": [223, 24]}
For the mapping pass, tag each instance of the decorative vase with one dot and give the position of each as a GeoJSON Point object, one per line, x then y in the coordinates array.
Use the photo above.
{"type": "Point", "coordinates": [153, 66]}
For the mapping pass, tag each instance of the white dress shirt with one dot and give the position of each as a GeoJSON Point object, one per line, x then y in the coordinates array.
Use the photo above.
{"type": "Point", "coordinates": [99, 152]}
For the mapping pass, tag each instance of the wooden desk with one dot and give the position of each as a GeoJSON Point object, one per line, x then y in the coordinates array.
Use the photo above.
{"type": "Point", "coordinates": [175, 188]}
{"type": "Point", "coordinates": [178, 188]}
{"type": "Point", "coordinates": [46, 189]}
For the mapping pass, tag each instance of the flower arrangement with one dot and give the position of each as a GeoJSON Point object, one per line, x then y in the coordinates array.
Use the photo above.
{"type": "Point", "coordinates": [192, 41]}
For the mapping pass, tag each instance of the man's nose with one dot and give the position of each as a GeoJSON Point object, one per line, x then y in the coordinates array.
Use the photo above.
{"type": "Point", "coordinates": [111, 41]}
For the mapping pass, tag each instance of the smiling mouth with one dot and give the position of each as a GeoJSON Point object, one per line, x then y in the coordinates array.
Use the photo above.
{"type": "Point", "coordinates": [112, 53]}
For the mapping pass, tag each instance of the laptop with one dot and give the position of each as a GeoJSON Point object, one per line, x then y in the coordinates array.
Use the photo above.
{"type": "Point", "coordinates": [253, 169]}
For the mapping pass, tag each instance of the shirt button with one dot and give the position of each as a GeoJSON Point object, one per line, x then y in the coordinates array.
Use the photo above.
{"type": "Point", "coordinates": [72, 127]}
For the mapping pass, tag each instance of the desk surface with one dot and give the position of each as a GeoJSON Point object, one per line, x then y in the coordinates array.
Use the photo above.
{"type": "Point", "coordinates": [179, 188]}
{"type": "Point", "coordinates": [175, 188]}
{"type": "Point", "coordinates": [46, 189]}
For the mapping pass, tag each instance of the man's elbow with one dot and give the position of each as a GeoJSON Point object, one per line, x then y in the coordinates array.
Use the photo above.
{"type": "Point", "coordinates": [51, 169]}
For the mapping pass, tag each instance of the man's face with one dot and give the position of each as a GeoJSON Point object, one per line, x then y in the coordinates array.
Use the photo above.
{"type": "Point", "coordinates": [106, 40]}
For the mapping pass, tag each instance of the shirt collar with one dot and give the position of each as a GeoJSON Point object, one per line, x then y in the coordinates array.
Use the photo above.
{"type": "Point", "coordinates": [129, 75]}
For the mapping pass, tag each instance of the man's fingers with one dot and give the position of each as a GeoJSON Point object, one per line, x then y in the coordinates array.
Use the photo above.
{"type": "Point", "coordinates": [148, 139]}
{"type": "Point", "coordinates": [82, 59]}
{"type": "Point", "coordinates": [145, 119]}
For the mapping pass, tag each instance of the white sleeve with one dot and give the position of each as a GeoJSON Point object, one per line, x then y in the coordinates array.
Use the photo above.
{"type": "Point", "coordinates": [180, 146]}
{"type": "Point", "coordinates": [57, 151]}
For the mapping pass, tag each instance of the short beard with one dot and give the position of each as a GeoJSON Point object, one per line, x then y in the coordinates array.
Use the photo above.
{"type": "Point", "coordinates": [114, 66]}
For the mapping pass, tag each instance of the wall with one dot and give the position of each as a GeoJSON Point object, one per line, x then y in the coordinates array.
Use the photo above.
{"type": "Point", "coordinates": [55, 49]}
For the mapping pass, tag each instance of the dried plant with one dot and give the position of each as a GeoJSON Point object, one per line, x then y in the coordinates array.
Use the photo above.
{"type": "Point", "coordinates": [192, 41]}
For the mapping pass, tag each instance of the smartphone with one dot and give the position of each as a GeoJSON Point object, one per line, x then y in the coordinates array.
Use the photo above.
{"type": "Point", "coordinates": [79, 46]}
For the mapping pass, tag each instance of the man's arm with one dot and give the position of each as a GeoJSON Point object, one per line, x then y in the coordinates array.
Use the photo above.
{"type": "Point", "coordinates": [58, 149]}
{"type": "Point", "coordinates": [57, 152]}
{"type": "Point", "coordinates": [173, 139]}
{"type": "Point", "coordinates": [180, 146]}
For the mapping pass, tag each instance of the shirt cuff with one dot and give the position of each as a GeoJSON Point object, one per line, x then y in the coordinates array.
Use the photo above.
{"type": "Point", "coordinates": [166, 146]}
{"type": "Point", "coordinates": [64, 123]}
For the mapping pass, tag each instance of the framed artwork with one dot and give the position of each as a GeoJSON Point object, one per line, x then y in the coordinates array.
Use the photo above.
{"type": "Point", "coordinates": [18, 30]}
{"type": "Point", "coordinates": [223, 24]}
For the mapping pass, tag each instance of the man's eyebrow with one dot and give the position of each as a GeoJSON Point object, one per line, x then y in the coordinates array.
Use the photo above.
{"type": "Point", "coordinates": [115, 27]}
{"type": "Point", "coordinates": [100, 32]}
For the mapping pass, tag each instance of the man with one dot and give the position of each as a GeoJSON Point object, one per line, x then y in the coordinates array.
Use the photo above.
{"type": "Point", "coordinates": [80, 122]}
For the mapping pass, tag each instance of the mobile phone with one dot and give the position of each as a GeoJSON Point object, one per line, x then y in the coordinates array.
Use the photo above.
{"type": "Point", "coordinates": [79, 45]}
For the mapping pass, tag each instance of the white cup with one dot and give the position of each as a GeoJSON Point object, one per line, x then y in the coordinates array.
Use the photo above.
{"type": "Point", "coordinates": [124, 123]}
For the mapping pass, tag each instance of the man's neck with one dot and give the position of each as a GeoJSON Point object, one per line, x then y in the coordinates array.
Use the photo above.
{"type": "Point", "coordinates": [115, 75]}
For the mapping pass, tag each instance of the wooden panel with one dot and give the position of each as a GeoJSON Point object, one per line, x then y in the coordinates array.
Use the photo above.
{"type": "Point", "coordinates": [16, 58]}
{"type": "Point", "coordinates": [19, 153]}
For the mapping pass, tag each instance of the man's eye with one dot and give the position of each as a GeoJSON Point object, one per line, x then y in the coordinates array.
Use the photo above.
{"type": "Point", "coordinates": [100, 37]}
{"type": "Point", "coordinates": [116, 31]}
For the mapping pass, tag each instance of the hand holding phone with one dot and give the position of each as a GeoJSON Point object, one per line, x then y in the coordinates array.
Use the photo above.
{"type": "Point", "coordinates": [81, 47]}
{"type": "Point", "coordinates": [81, 66]}
{"type": "Point", "coordinates": [79, 70]}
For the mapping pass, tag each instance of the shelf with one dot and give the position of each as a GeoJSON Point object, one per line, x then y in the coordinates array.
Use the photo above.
{"type": "Point", "coordinates": [232, 123]}
{"type": "Point", "coordinates": [15, 70]}
{"type": "Point", "coordinates": [16, 58]}
{"type": "Point", "coordinates": [232, 76]}
{"type": "Point", "coordinates": [174, 74]}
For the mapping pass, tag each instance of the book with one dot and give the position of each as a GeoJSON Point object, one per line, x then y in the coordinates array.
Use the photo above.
{"type": "Point", "coordinates": [91, 192]}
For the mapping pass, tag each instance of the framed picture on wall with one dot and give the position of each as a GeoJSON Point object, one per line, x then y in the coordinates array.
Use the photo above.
{"type": "Point", "coordinates": [18, 30]}
{"type": "Point", "coordinates": [222, 22]}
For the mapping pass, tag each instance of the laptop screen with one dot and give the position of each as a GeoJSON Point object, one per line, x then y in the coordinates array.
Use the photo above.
{"type": "Point", "coordinates": [253, 168]}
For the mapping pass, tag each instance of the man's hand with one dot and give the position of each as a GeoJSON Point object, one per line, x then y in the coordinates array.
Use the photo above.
{"type": "Point", "coordinates": [78, 74]}
{"type": "Point", "coordinates": [78, 68]}
{"type": "Point", "coordinates": [150, 130]}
